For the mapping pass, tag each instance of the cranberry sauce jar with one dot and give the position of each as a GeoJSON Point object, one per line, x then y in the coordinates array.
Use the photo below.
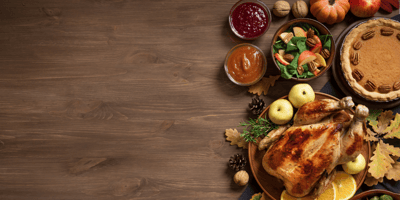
{"type": "Point", "coordinates": [249, 19]}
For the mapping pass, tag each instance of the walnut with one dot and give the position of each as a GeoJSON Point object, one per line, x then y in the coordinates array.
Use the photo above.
{"type": "Point", "coordinates": [386, 31]}
{"type": "Point", "coordinates": [355, 58]}
{"type": "Point", "coordinates": [357, 45]}
{"type": "Point", "coordinates": [288, 57]}
{"type": "Point", "coordinates": [310, 42]}
{"type": "Point", "coordinates": [384, 88]}
{"type": "Point", "coordinates": [310, 33]}
{"type": "Point", "coordinates": [368, 35]}
{"type": "Point", "coordinates": [370, 85]}
{"type": "Point", "coordinates": [325, 53]}
{"type": "Point", "coordinates": [396, 85]}
{"type": "Point", "coordinates": [300, 9]}
{"type": "Point", "coordinates": [281, 8]}
{"type": "Point", "coordinates": [358, 75]}
{"type": "Point", "coordinates": [241, 178]}
{"type": "Point", "coordinates": [300, 70]}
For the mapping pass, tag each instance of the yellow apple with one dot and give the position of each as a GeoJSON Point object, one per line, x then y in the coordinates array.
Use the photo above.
{"type": "Point", "coordinates": [280, 112]}
{"type": "Point", "coordinates": [301, 94]}
{"type": "Point", "coordinates": [355, 166]}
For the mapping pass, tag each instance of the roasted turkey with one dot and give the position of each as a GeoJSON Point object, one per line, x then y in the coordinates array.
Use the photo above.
{"type": "Point", "coordinates": [323, 135]}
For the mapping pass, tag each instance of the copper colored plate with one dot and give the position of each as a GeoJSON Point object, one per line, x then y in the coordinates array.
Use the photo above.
{"type": "Point", "coordinates": [272, 186]}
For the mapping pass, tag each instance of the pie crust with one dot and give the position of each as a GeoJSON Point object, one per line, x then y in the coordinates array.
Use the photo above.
{"type": "Point", "coordinates": [371, 64]}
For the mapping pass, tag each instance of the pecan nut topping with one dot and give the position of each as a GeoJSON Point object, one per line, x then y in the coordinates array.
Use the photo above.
{"type": "Point", "coordinates": [384, 88]}
{"type": "Point", "coordinates": [310, 42]}
{"type": "Point", "coordinates": [310, 33]}
{"type": "Point", "coordinates": [355, 58]}
{"type": "Point", "coordinates": [396, 85]}
{"type": "Point", "coordinates": [386, 31]}
{"type": "Point", "coordinates": [357, 45]}
{"type": "Point", "coordinates": [358, 75]}
{"type": "Point", "coordinates": [398, 36]}
{"type": "Point", "coordinates": [300, 69]}
{"type": "Point", "coordinates": [325, 53]}
{"type": "Point", "coordinates": [370, 85]}
{"type": "Point", "coordinates": [312, 66]}
{"type": "Point", "coordinates": [368, 35]}
{"type": "Point", "coordinates": [288, 57]}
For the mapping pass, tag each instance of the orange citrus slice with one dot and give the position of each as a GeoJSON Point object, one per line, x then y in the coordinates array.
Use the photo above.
{"type": "Point", "coordinates": [330, 193]}
{"type": "Point", "coordinates": [346, 185]}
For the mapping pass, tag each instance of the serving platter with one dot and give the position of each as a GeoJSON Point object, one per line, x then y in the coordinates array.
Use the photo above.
{"type": "Point", "coordinates": [342, 82]}
{"type": "Point", "coordinates": [272, 186]}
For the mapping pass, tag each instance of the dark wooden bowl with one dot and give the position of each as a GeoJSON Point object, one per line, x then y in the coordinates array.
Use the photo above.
{"type": "Point", "coordinates": [272, 186]}
{"type": "Point", "coordinates": [322, 30]}
{"type": "Point", "coordinates": [376, 192]}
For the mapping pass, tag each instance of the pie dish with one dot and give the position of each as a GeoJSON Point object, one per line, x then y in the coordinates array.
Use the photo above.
{"type": "Point", "coordinates": [370, 59]}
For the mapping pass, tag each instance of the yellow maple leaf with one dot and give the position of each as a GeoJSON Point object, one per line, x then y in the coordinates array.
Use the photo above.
{"type": "Point", "coordinates": [393, 131]}
{"type": "Point", "coordinates": [381, 161]}
{"type": "Point", "coordinates": [233, 136]}
{"type": "Point", "coordinates": [370, 136]}
{"type": "Point", "coordinates": [382, 123]}
{"type": "Point", "coordinates": [263, 85]}
{"type": "Point", "coordinates": [394, 173]}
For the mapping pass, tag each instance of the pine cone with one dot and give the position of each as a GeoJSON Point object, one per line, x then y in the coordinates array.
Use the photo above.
{"type": "Point", "coordinates": [257, 105]}
{"type": "Point", "coordinates": [237, 162]}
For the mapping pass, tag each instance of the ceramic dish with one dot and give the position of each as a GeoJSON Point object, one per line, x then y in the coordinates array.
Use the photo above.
{"type": "Point", "coordinates": [323, 30]}
{"type": "Point", "coordinates": [272, 186]}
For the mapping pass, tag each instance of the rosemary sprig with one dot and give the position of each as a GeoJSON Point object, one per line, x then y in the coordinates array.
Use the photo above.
{"type": "Point", "coordinates": [255, 128]}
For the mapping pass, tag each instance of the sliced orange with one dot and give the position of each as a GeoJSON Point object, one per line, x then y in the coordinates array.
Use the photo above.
{"type": "Point", "coordinates": [330, 193]}
{"type": "Point", "coordinates": [286, 196]}
{"type": "Point", "coordinates": [346, 185]}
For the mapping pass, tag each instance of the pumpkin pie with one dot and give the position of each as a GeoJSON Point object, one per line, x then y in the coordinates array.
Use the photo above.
{"type": "Point", "coordinates": [370, 59]}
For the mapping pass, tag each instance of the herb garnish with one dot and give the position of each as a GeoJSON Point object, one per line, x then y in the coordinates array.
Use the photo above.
{"type": "Point", "coordinates": [258, 127]}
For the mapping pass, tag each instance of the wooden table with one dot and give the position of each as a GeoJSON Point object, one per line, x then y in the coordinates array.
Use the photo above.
{"type": "Point", "coordinates": [118, 99]}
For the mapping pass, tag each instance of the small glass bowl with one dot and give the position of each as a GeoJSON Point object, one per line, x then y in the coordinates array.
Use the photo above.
{"type": "Point", "coordinates": [260, 75]}
{"type": "Point", "coordinates": [261, 4]}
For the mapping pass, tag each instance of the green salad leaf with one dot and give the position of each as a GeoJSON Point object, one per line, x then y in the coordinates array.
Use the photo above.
{"type": "Point", "coordinates": [326, 41]}
{"type": "Point", "coordinates": [295, 46]}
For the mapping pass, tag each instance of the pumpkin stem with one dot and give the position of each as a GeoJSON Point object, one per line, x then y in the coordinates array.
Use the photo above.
{"type": "Point", "coordinates": [331, 2]}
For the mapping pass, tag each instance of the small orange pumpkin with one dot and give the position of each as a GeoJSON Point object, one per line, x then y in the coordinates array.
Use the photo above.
{"type": "Point", "coordinates": [327, 12]}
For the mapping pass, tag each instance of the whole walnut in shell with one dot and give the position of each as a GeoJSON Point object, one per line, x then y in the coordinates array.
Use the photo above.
{"type": "Point", "coordinates": [300, 9]}
{"type": "Point", "coordinates": [281, 8]}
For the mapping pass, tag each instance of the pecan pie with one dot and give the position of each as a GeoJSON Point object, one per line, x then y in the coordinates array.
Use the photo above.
{"type": "Point", "coordinates": [371, 59]}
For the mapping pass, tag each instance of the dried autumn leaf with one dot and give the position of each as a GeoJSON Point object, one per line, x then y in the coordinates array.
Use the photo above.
{"type": "Point", "coordinates": [394, 173]}
{"type": "Point", "coordinates": [371, 181]}
{"type": "Point", "coordinates": [233, 136]}
{"type": "Point", "coordinates": [381, 161]}
{"type": "Point", "coordinates": [263, 85]}
{"type": "Point", "coordinates": [382, 123]}
{"type": "Point", "coordinates": [370, 136]}
{"type": "Point", "coordinates": [392, 150]}
{"type": "Point", "coordinates": [393, 131]}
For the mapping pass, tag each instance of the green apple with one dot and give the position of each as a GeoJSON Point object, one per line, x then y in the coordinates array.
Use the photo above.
{"type": "Point", "coordinates": [280, 112]}
{"type": "Point", "coordinates": [355, 166]}
{"type": "Point", "coordinates": [301, 94]}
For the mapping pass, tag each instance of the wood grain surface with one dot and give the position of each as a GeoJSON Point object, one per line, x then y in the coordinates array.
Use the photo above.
{"type": "Point", "coordinates": [118, 99]}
